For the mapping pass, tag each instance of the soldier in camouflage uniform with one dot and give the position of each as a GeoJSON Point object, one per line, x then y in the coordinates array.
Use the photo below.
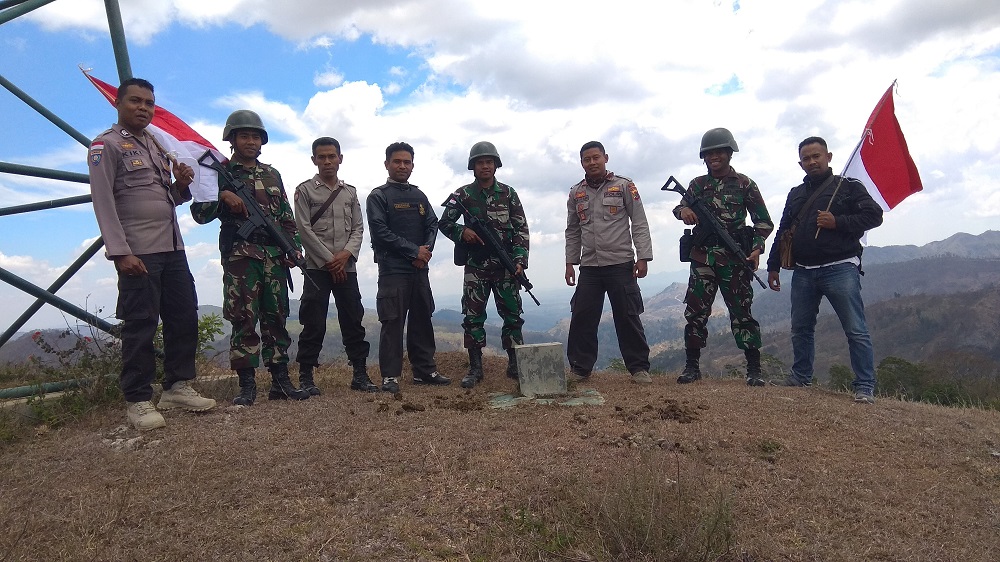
{"type": "Point", "coordinates": [255, 271]}
{"type": "Point", "coordinates": [498, 207]}
{"type": "Point", "coordinates": [731, 196]}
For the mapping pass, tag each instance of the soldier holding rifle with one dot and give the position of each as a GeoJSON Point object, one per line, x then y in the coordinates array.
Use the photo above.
{"type": "Point", "coordinates": [717, 266]}
{"type": "Point", "coordinates": [496, 207]}
{"type": "Point", "coordinates": [255, 261]}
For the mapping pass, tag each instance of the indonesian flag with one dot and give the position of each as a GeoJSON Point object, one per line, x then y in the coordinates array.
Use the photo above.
{"type": "Point", "coordinates": [881, 161]}
{"type": "Point", "coordinates": [177, 137]}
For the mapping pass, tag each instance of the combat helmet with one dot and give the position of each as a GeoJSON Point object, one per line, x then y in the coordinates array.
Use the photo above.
{"type": "Point", "coordinates": [717, 138]}
{"type": "Point", "coordinates": [244, 119]}
{"type": "Point", "coordinates": [483, 148]}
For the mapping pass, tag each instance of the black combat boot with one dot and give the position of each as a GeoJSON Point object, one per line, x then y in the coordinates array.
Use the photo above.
{"type": "Point", "coordinates": [512, 370]}
{"type": "Point", "coordinates": [361, 381]}
{"type": "Point", "coordinates": [281, 386]}
{"type": "Point", "coordinates": [692, 371]}
{"type": "Point", "coordinates": [754, 375]}
{"type": "Point", "coordinates": [306, 381]}
{"type": "Point", "coordinates": [475, 368]}
{"type": "Point", "coordinates": [248, 387]}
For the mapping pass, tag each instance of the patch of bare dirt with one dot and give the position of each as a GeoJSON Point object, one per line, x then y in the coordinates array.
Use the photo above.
{"type": "Point", "coordinates": [435, 474]}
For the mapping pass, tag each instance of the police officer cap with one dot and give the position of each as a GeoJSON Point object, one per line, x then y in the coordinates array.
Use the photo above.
{"type": "Point", "coordinates": [244, 119]}
{"type": "Point", "coordinates": [717, 138]}
{"type": "Point", "coordinates": [483, 148]}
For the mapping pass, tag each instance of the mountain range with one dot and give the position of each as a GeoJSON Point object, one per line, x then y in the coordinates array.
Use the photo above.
{"type": "Point", "coordinates": [921, 302]}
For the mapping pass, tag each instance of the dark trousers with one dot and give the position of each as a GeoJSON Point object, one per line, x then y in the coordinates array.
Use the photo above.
{"type": "Point", "coordinates": [313, 309]}
{"type": "Point", "coordinates": [167, 292]}
{"type": "Point", "coordinates": [405, 298]}
{"type": "Point", "coordinates": [586, 308]}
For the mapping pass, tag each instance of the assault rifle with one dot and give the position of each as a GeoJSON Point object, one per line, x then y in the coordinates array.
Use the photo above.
{"type": "Point", "coordinates": [492, 242]}
{"type": "Point", "coordinates": [256, 217]}
{"type": "Point", "coordinates": [707, 219]}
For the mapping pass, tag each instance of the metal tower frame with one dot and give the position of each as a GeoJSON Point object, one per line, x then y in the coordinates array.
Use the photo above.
{"type": "Point", "coordinates": [9, 10]}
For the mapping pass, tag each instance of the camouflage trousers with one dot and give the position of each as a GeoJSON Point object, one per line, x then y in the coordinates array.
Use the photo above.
{"type": "Point", "coordinates": [479, 283]}
{"type": "Point", "coordinates": [256, 291]}
{"type": "Point", "coordinates": [733, 280]}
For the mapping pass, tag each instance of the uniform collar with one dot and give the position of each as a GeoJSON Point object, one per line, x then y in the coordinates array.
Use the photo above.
{"type": "Point", "coordinates": [609, 176]}
{"type": "Point", "coordinates": [319, 181]}
{"type": "Point", "coordinates": [397, 184]}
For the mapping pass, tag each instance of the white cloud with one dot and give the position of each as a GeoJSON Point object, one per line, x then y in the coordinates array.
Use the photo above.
{"type": "Point", "coordinates": [329, 79]}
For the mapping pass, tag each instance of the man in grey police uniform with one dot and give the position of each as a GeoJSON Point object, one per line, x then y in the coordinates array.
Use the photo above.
{"type": "Point", "coordinates": [328, 216]}
{"type": "Point", "coordinates": [604, 218]}
{"type": "Point", "coordinates": [134, 202]}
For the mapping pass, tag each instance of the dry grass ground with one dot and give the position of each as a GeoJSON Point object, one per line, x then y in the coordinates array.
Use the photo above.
{"type": "Point", "coordinates": [435, 474]}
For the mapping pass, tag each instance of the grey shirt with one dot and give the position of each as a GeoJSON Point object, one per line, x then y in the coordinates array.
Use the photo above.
{"type": "Point", "coordinates": [603, 223]}
{"type": "Point", "coordinates": [340, 227]}
{"type": "Point", "coordinates": [134, 200]}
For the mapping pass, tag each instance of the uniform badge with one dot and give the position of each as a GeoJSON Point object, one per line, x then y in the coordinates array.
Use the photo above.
{"type": "Point", "coordinates": [137, 162]}
{"type": "Point", "coordinates": [615, 189]}
{"type": "Point", "coordinates": [124, 133]}
{"type": "Point", "coordinates": [96, 150]}
{"type": "Point", "coordinates": [421, 209]}
{"type": "Point", "coordinates": [634, 191]}
{"type": "Point", "coordinates": [126, 145]}
{"type": "Point", "coordinates": [581, 194]}
{"type": "Point", "coordinates": [613, 210]}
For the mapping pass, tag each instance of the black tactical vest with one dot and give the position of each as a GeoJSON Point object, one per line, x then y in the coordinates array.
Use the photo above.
{"type": "Point", "coordinates": [407, 210]}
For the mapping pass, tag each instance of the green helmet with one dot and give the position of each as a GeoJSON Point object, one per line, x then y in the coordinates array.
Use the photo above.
{"type": "Point", "coordinates": [717, 138]}
{"type": "Point", "coordinates": [483, 148]}
{"type": "Point", "coordinates": [244, 119]}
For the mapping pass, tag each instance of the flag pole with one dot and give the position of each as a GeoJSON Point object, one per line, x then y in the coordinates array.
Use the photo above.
{"type": "Point", "coordinates": [857, 149]}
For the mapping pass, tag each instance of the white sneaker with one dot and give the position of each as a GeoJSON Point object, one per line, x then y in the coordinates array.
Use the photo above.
{"type": "Point", "coordinates": [143, 416]}
{"type": "Point", "coordinates": [181, 395]}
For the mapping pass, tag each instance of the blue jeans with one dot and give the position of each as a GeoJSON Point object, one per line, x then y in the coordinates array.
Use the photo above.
{"type": "Point", "coordinates": [841, 285]}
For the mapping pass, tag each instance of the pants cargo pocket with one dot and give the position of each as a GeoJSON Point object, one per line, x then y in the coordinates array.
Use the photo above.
{"type": "Point", "coordinates": [135, 297]}
{"type": "Point", "coordinates": [633, 295]}
{"type": "Point", "coordinates": [387, 304]}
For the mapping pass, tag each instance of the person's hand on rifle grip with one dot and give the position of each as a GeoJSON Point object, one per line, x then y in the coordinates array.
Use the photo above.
{"type": "Point", "coordinates": [469, 236]}
{"type": "Point", "coordinates": [233, 203]}
{"type": "Point", "coordinates": [688, 216]}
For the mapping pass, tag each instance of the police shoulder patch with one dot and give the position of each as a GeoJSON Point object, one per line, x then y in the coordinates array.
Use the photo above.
{"type": "Point", "coordinates": [96, 150]}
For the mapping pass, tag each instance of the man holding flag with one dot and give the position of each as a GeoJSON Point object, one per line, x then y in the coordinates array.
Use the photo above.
{"type": "Point", "coordinates": [834, 212]}
{"type": "Point", "coordinates": [828, 215]}
{"type": "Point", "coordinates": [134, 201]}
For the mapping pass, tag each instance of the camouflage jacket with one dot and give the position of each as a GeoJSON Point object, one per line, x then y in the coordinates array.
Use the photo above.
{"type": "Point", "coordinates": [731, 199]}
{"type": "Point", "coordinates": [269, 191]}
{"type": "Point", "coordinates": [500, 209]}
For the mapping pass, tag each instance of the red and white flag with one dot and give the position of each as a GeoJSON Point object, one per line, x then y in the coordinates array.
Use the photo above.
{"type": "Point", "coordinates": [177, 137]}
{"type": "Point", "coordinates": [882, 161]}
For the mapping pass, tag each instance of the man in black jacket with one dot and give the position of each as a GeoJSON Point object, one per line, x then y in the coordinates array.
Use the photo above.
{"type": "Point", "coordinates": [403, 228]}
{"type": "Point", "coordinates": [827, 250]}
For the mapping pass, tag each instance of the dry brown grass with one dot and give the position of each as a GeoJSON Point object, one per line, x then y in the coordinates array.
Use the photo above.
{"type": "Point", "coordinates": [781, 474]}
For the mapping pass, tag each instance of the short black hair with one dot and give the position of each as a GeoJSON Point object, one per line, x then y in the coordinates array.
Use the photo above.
{"type": "Point", "coordinates": [132, 82]}
{"type": "Point", "coordinates": [396, 147]}
{"type": "Point", "coordinates": [592, 144]}
{"type": "Point", "coordinates": [325, 141]}
{"type": "Point", "coordinates": [813, 140]}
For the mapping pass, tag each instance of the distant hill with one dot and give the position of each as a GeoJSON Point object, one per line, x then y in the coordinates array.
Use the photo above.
{"type": "Point", "coordinates": [985, 245]}
{"type": "Point", "coordinates": [962, 264]}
